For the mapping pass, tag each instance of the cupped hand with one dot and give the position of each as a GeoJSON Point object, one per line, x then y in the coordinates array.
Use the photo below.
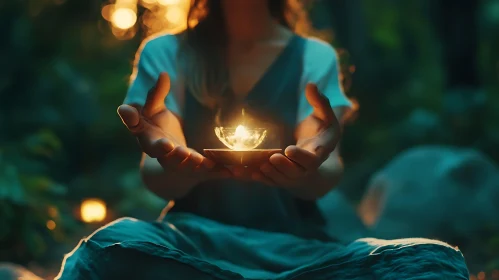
{"type": "Point", "coordinates": [317, 135]}
{"type": "Point", "coordinates": [160, 135]}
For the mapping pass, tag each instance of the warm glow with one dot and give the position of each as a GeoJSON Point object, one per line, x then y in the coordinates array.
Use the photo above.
{"type": "Point", "coordinates": [159, 16]}
{"type": "Point", "coordinates": [175, 14]}
{"type": "Point", "coordinates": [241, 132]}
{"type": "Point", "coordinates": [123, 18]}
{"type": "Point", "coordinates": [240, 138]}
{"type": "Point", "coordinates": [52, 211]}
{"type": "Point", "coordinates": [169, 2]}
{"type": "Point", "coordinates": [93, 210]}
{"type": "Point", "coordinates": [129, 3]}
{"type": "Point", "coordinates": [51, 225]}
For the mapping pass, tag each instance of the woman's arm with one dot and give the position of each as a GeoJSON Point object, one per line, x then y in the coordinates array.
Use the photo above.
{"type": "Point", "coordinates": [328, 175]}
{"type": "Point", "coordinates": [323, 180]}
{"type": "Point", "coordinates": [169, 168]}
{"type": "Point", "coordinates": [312, 167]}
{"type": "Point", "coordinates": [320, 126]}
{"type": "Point", "coordinates": [165, 180]}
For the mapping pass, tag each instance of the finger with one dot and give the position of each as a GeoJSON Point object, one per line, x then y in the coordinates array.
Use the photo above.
{"type": "Point", "coordinates": [149, 138]}
{"type": "Point", "coordinates": [155, 102]}
{"type": "Point", "coordinates": [304, 158]}
{"type": "Point", "coordinates": [259, 177]}
{"type": "Point", "coordinates": [320, 103]}
{"type": "Point", "coordinates": [191, 162]}
{"type": "Point", "coordinates": [207, 164]}
{"type": "Point", "coordinates": [174, 158]}
{"type": "Point", "coordinates": [196, 157]}
{"type": "Point", "coordinates": [131, 118]}
{"type": "Point", "coordinates": [159, 148]}
{"type": "Point", "coordinates": [272, 173]}
{"type": "Point", "coordinates": [286, 166]}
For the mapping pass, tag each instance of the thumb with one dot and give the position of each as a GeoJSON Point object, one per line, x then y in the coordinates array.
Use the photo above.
{"type": "Point", "coordinates": [155, 102]}
{"type": "Point", "coordinates": [320, 103]}
{"type": "Point", "coordinates": [150, 141]}
{"type": "Point", "coordinates": [130, 117]}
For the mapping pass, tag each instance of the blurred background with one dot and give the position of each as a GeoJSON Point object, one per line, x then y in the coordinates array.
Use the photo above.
{"type": "Point", "coordinates": [425, 74]}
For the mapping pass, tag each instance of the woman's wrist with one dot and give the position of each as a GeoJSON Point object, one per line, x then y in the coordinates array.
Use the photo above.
{"type": "Point", "coordinates": [318, 183]}
{"type": "Point", "coordinates": [165, 183]}
{"type": "Point", "coordinates": [184, 180]}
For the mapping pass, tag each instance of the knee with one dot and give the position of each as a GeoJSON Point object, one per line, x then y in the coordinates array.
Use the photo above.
{"type": "Point", "coordinates": [417, 258]}
{"type": "Point", "coordinates": [87, 259]}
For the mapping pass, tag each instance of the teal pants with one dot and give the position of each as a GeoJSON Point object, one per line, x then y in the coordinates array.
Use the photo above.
{"type": "Point", "coordinates": [185, 246]}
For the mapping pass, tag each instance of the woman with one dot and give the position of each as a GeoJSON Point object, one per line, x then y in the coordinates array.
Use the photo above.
{"type": "Point", "coordinates": [235, 222]}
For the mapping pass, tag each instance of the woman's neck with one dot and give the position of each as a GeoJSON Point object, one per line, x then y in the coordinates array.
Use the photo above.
{"type": "Point", "coordinates": [248, 21]}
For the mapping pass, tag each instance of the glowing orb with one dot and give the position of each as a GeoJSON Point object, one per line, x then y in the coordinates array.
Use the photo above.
{"type": "Point", "coordinates": [123, 18]}
{"type": "Point", "coordinates": [241, 138]}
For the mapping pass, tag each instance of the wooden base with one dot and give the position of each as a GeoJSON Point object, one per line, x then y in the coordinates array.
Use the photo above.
{"type": "Point", "coordinates": [244, 158]}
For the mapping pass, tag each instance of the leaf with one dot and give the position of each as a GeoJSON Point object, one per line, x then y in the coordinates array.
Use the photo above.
{"type": "Point", "coordinates": [44, 185]}
{"type": "Point", "coordinates": [44, 143]}
{"type": "Point", "coordinates": [493, 243]}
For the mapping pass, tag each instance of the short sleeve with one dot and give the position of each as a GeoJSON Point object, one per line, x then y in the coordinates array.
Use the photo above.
{"type": "Point", "coordinates": [156, 55]}
{"type": "Point", "coordinates": [321, 67]}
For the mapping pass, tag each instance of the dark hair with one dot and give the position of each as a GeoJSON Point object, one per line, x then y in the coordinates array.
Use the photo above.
{"type": "Point", "coordinates": [202, 52]}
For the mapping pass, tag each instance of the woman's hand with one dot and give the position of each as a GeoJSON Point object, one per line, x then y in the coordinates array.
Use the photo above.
{"type": "Point", "coordinates": [317, 135]}
{"type": "Point", "coordinates": [159, 133]}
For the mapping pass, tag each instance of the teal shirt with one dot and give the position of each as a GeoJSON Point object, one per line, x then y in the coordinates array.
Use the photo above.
{"type": "Point", "coordinates": [277, 98]}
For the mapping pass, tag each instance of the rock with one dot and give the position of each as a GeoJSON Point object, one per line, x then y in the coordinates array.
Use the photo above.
{"type": "Point", "coordinates": [451, 194]}
{"type": "Point", "coordinates": [343, 222]}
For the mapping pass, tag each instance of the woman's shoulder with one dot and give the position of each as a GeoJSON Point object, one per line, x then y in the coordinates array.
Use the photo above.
{"type": "Point", "coordinates": [319, 50]}
{"type": "Point", "coordinates": [319, 57]}
{"type": "Point", "coordinates": [160, 44]}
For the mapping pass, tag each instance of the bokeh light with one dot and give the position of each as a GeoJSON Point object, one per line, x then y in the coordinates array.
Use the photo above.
{"type": "Point", "coordinates": [51, 225]}
{"type": "Point", "coordinates": [169, 2]}
{"type": "Point", "coordinates": [93, 210]}
{"type": "Point", "coordinates": [123, 18]}
{"type": "Point", "coordinates": [168, 16]}
{"type": "Point", "coordinates": [52, 211]}
{"type": "Point", "coordinates": [175, 14]}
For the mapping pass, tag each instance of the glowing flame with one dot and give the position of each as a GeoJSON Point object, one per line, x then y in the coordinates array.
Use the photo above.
{"type": "Point", "coordinates": [123, 18]}
{"type": "Point", "coordinates": [241, 132]}
{"type": "Point", "coordinates": [241, 138]}
{"type": "Point", "coordinates": [93, 210]}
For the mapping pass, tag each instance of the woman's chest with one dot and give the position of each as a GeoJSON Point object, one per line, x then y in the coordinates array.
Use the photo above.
{"type": "Point", "coordinates": [248, 67]}
{"type": "Point", "coordinates": [266, 84]}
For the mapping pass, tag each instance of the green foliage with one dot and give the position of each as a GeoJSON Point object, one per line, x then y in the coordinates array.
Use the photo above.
{"type": "Point", "coordinates": [63, 76]}
{"type": "Point", "coordinates": [30, 201]}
